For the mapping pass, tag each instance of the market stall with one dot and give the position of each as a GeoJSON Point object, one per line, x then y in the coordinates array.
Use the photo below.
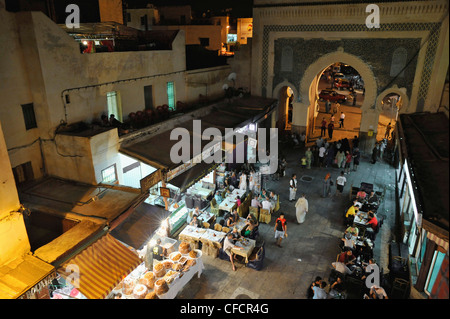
{"type": "Point", "coordinates": [162, 280]}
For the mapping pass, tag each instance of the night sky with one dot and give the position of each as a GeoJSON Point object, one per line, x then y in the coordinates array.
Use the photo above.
{"type": "Point", "coordinates": [240, 8]}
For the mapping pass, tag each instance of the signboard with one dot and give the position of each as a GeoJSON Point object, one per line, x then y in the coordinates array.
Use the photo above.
{"type": "Point", "coordinates": [150, 180]}
{"type": "Point", "coordinates": [164, 192]}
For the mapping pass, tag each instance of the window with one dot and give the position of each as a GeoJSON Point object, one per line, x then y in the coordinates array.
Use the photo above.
{"type": "Point", "coordinates": [204, 42]}
{"type": "Point", "coordinates": [114, 104]}
{"type": "Point", "coordinates": [438, 257]}
{"type": "Point", "coordinates": [23, 173]}
{"type": "Point", "coordinates": [144, 20]}
{"type": "Point", "coordinates": [28, 115]}
{"type": "Point", "coordinates": [422, 251]}
{"type": "Point", "coordinates": [109, 175]}
{"type": "Point", "coordinates": [171, 95]}
{"type": "Point", "coordinates": [128, 17]}
{"type": "Point", "coordinates": [148, 97]}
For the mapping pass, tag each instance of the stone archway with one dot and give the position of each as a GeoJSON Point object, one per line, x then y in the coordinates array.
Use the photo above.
{"type": "Point", "coordinates": [282, 109]}
{"type": "Point", "coordinates": [306, 107]}
{"type": "Point", "coordinates": [384, 119]}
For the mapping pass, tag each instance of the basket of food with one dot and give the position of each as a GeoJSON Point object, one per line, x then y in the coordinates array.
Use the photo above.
{"type": "Point", "coordinates": [161, 287]}
{"type": "Point", "coordinates": [148, 279]}
{"type": "Point", "coordinates": [159, 270]}
{"type": "Point", "coordinates": [175, 256]}
{"type": "Point", "coordinates": [151, 295]}
{"type": "Point", "coordinates": [167, 263]}
{"type": "Point", "coordinates": [194, 254]}
{"type": "Point", "coordinates": [140, 291]}
{"type": "Point", "coordinates": [128, 287]}
{"type": "Point", "coordinates": [184, 248]}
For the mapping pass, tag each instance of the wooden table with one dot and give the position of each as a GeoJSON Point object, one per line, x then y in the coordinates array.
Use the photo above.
{"type": "Point", "coordinates": [247, 248]}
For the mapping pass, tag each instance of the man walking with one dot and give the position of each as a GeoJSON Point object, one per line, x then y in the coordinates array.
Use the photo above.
{"type": "Point", "coordinates": [292, 188]}
{"type": "Point", "coordinates": [340, 182]}
{"type": "Point", "coordinates": [330, 130]}
{"type": "Point", "coordinates": [308, 155]}
{"type": "Point", "coordinates": [323, 128]}
{"type": "Point", "coordinates": [341, 120]}
{"type": "Point", "coordinates": [280, 229]}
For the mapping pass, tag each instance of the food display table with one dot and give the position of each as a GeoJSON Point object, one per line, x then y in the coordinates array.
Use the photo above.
{"type": "Point", "coordinates": [178, 283]}
{"type": "Point", "coordinates": [247, 245]}
{"type": "Point", "coordinates": [138, 286]}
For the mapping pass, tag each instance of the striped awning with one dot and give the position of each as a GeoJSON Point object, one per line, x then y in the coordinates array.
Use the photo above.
{"type": "Point", "coordinates": [100, 267]}
{"type": "Point", "coordinates": [438, 241]}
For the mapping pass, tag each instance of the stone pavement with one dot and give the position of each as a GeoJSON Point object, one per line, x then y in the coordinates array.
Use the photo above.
{"type": "Point", "coordinates": [310, 247]}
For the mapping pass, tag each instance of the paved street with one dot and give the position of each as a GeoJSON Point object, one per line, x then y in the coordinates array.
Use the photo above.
{"type": "Point", "coordinates": [310, 248]}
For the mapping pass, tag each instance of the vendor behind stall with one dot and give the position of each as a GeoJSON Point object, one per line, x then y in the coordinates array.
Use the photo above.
{"type": "Point", "coordinates": [158, 251]}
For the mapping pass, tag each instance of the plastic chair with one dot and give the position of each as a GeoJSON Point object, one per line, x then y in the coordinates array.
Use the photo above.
{"type": "Point", "coordinates": [225, 230]}
{"type": "Point", "coordinates": [258, 262]}
{"type": "Point", "coordinates": [206, 225]}
{"type": "Point", "coordinates": [218, 227]}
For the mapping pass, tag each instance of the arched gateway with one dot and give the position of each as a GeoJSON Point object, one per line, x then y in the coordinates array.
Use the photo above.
{"type": "Point", "coordinates": [294, 41]}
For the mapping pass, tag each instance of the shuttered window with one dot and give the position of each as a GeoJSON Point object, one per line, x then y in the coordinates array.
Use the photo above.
{"type": "Point", "coordinates": [28, 115]}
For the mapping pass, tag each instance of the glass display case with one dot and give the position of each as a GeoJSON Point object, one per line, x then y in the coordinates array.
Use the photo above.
{"type": "Point", "coordinates": [178, 218]}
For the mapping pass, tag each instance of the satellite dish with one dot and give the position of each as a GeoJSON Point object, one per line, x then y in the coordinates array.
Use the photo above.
{"type": "Point", "coordinates": [232, 76]}
{"type": "Point", "coordinates": [225, 86]}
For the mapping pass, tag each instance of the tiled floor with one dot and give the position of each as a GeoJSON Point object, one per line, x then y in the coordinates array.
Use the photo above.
{"type": "Point", "coordinates": [310, 247]}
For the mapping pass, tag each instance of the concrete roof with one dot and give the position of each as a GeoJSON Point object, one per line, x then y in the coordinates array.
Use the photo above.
{"type": "Point", "coordinates": [93, 207]}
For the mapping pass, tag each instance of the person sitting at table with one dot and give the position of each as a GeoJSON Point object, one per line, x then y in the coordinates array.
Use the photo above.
{"type": "Point", "coordinates": [373, 198]}
{"type": "Point", "coordinates": [377, 292]}
{"type": "Point", "coordinates": [365, 252]}
{"type": "Point", "coordinates": [195, 222]}
{"type": "Point", "coordinates": [273, 199]}
{"type": "Point", "coordinates": [228, 245]}
{"type": "Point", "coordinates": [218, 198]}
{"type": "Point", "coordinates": [230, 223]}
{"type": "Point", "coordinates": [250, 228]}
{"type": "Point", "coordinates": [353, 230]}
{"type": "Point", "coordinates": [372, 222]}
{"type": "Point", "coordinates": [316, 282]}
{"type": "Point", "coordinates": [337, 288]}
{"type": "Point", "coordinates": [349, 243]}
{"type": "Point", "coordinates": [255, 203]}
{"type": "Point", "coordinates": [361, 195]}
{"type": "Point", "coordinates": [235, 216]}
{"type": "Point", "coordinates": [228, 185]}
{"type": "Point", "coordinates": [235, 234]}
{"type": "Point", "coordinates": [369, 268]}
{"type": "Point", "coordinates": [263, 194]}
{"type": "Point", "coordinates": [319, 291]}
{"type": "Point", "coordinates": [238, 201]}
{"type": "Point", "coordinates": [347, 258]}
{"type": "Point", "coordinates": [371, 231]}
{"type": "Point", "coordinates": [252, 218]}
{"type": "Point", "coordinates": [266, 204]}
{"type": "Point", "coordinates": [350, 215]}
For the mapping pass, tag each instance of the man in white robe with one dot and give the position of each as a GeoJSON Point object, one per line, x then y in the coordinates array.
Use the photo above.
{"type": "Point", "coordinates": [301, 209]}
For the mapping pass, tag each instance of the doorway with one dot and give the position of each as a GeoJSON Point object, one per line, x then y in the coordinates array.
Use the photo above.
{"type": "Point", "coordinates": [285, 108]}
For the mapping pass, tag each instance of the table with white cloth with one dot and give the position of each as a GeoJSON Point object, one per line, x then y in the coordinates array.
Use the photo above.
{"type": "Point", "coordinates": [212, 241]}
{"type": "Point", "coordinates": [247, 244]}
{"type": "Point", "coordinates": [192, 235]}
{"type": "Point", "coordinates": [229, 202]}
{"type": "Point", "coordinates": [200, 191]}
{"type": "Point", "coordinates": [241, 224]}
{"type": "Point", "coordinates": [178, 283]}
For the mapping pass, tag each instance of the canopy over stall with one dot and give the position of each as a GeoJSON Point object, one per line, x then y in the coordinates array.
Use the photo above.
{"type": "Point", "coordinates": [100, 267]}
{"type": "Point", "coordinates": [139, 227]}
{"type": "Point", "coordinates": [191, 176]}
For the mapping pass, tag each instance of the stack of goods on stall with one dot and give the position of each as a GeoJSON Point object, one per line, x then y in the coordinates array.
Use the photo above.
{"type": "Point", "coordinates": [143, 283]}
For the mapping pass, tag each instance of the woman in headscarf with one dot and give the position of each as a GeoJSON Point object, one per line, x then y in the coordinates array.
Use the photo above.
{"type": "Point", "coordinates": [301, 208]}
{"type": "Point", "coordinates": [326, 185]}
